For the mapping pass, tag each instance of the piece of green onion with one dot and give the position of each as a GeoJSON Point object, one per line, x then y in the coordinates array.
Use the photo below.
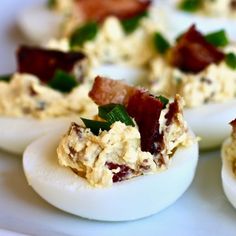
{"type": "Point", "coordinates": [96, 126]}
{"type": "Point", "coordinates": [190, 5]}
{"type": "Point", "coordinates": [130, 25]}
{"type": "Point", "coordinates": [5, 78]}
{"type": "Point", "coordinates": [163, 100]}
{"type": "Point", "coordinates": [51, 3]}
{"type": "Point", "coordinates": [218, 38]}
{"type": "Point", "coordinates": [119, 113]}
{"type": "Point", "coordinates": [230, 60]}
{"type": "Point", "coordinates": [110, 113]}
{"type": "Point", "coordinates": [63, 81]}
{"type": "Point", "coordinates": [84, 33]}
{"type": "Point", "coordinates": [160, 43]}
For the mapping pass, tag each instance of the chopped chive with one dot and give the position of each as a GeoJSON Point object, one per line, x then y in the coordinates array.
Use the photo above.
{"type": "Point", "coordinates": [161, 44]}
{"type": "Point", "coordinates": [63, 81]}
{"type": "Point", "coordinates": [103, 110]}
{"type": "Point", "coordinates": [218, 38]}
{"type": "Point", "coordinates": [163, 100]}
{"type": "Point", "coordinates": [96, 126]}
{"type": "Point", "coordinates": [84, 33]}
{"type": "Point", "coordinates": [230, 60]}
{"type": "Point", "coordinates": [51, 4]}
{"type": "Point", "coordinates": [5, 78]}
{"type": "Point", "coordinates": [130, 25]}
{"type": "Point", "coordinates": [190, 5]}
{"type": "Point", "coordinates": [118, 113]}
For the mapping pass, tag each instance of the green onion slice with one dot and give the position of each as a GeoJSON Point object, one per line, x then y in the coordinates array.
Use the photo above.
{"type": "Point", "coordinates": [130, 25]}
{"type": "Point", "coordinates": [190, 5]}
{"type": "Point", "coordinates": [118, 113]}
{"type": "Point", "coordinates": [230, 60]}
{"type": "Point", "coordinates": [84, 33]}
{"type": "Point", "coordinates": [51, 3]}
{"type": "Point", "coordinates": [160, 43]}
{"type": "Point", "coordinates": [105, 109]}
{"type": "Point", "coordinates": [163, 100]}
{"type": "Point", "coordinates": [63, 81]}
{"type": "Point", "coordinates": [96, 126]}
{"type": "Point", "coordinates": [5, 78]}
{"type": "Point", "coordinates": [218, 38]}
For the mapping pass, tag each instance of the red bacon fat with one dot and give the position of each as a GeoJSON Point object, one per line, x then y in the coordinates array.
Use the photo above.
{"type": "Point", "coordinates": [193, 53]}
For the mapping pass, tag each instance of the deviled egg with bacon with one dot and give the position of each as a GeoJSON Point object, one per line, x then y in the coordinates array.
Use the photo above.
{"type": "Point", "coordinates": [135, 159]}
{"type": "Point", "coordinates": [44, 94]}
{"type": "Point", "coordinates": [202, 69]}
{"type": "Point", "coordinates": [206, 14]}
{"type": "Point", "coordinates": [228, 172]}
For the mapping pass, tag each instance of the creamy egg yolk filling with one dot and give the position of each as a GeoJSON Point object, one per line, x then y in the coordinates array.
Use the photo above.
{"type": "Point", "coordinates": [25, 96]}
{"type": "Point", "coordinates": [115, 155]}
{"type": "Point", "coordinates": [230, 148]}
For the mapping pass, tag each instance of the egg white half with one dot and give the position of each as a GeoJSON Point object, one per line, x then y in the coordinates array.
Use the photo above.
{"type": "Point", "coordinates": [40, 24]}
{"type": "Point", "coordinates": [228, 178]}
{"type": "Point", "coordinates": [17, 133]}
{"type": "Point", "coordinates": [128, 200]}
{"type": "Point", "coordinates": [210, 122]}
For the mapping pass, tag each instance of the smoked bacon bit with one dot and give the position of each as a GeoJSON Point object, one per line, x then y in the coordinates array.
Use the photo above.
{"type": "Point", "coordinates": [106, 91]}
{"type": "Point", "coordinates": [233, 124]}
{"type": "Point", "coordinates": [98, 10]}
{"type": "Point", "coordinates": [193, 53]}
{"type": "Point", "coordinates": [43, 63]}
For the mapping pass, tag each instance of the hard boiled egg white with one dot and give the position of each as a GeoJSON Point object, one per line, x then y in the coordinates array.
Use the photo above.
{"type": "Point", "coordinates": [17, 133]}
{"type": "Point", "coordinates": [210, 122]}
{"type": "Point", "coordinates": [40, 24]}
{"type": "Point", "coordinates": [128, 200]}
{"type": "Point", "coordinates": [228, 177]}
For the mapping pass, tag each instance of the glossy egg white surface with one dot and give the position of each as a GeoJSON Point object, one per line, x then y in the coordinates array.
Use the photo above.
{"type": "Point", "coordinates": [17, 133]}
{"type": "Point", "coordinates": [129, 200]}
{"type": "Point", "coordinates": [228, 177]}
{"type": "Point", "coordinates": [210, 122]}
{"type": "Point", "coordinates": [40, 24]}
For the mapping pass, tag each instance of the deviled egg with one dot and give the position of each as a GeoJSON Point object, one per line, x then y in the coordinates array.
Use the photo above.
{"type": "Point", "coordinates": [228, 172]}
{"type": "Point", "coordinates": [44, 94]}
{"type": "Point", "coordinates": [202, 69]}
{"type": "Point", "coordinates": [131, 162]}
{"type": "Point", "coordinates": [207, 15]}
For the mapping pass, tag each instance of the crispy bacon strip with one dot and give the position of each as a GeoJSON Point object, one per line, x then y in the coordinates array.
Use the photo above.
{"type": "Point", "coordinates": [193, 53]}
{"type": "Point", "coordinates": [43, 62]}
{"type": "Point", "coordinates": [107, 91]}
{"type": "Point", "coordinates": [233, 124]}
{"type": "Point", "coordinates": [98, 10]}
{"type": "Point", "coordinates": [142, 106]}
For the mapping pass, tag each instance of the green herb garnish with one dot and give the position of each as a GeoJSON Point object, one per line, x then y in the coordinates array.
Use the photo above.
{"type": "Point", "coordinates": [161, 44]}
{"type": "Point", "coordinates": [84, 33]}
{"type": "Point", "coordinates": [218, 38]}
{"type": "Point", "coordinates": [96, 126]}
{"type": "Point", "coordinates": [163, 100]}
{"type": "Point", "coordinates": [63, 81]}
{"type": "Point", "coordinates": [51, 4]}
{"type": "Point", "coordinates": [230, 60]}
{"type": "Point", "coordinates": [5, 78]}
{"type": "Point", "coordinates": [110, 113]}
{"type": "Point", "coordinates": [130, 25]}
{"type": "Point", "coordinates": [190, 5]}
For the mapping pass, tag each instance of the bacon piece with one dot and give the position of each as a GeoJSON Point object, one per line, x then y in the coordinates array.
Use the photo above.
{"type": "Point", "coordinates": [233, 124]}
{"type": "Point", "coordinates": [142, 106]}
{"type": "Point", "coordinates": [146, 110]}
{"type": "Point", "coordinates": [105, 91]}
{"type": "Point", "coordinates": [43, 62]}
{"type": "Point", "coordinates": [193, 53]}
{"type": "Point", "coordinates": [92, 10]}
